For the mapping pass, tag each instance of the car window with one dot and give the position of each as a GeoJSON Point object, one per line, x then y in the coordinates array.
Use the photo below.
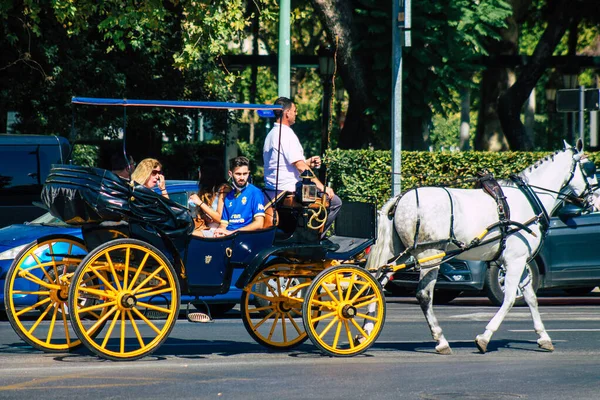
{"type": "Point", "coordinates": [179, 197]}
{"type": "Point", "coordinates": [48, 219]}
{"type": "Point", "coordinates": [26, 165]}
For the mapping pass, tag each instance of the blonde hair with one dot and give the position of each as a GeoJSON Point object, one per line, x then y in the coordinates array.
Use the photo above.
{"type": "Point", "coordinates": [144, 170]}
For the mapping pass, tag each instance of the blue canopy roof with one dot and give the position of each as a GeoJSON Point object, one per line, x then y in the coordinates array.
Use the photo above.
{"type": "Point", "coordinates": [264, 110]}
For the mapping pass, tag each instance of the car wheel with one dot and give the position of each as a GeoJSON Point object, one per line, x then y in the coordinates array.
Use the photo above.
{"type": "Point", "coordinates": [582, 291]}
{"type": "Point", "coordinates": [441, 297]}
{"type": "Point", "coordinates": [494, 282]}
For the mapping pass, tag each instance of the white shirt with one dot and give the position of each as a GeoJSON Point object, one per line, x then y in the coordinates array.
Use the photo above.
{"type": "Point", "coordinates": [291, 152]}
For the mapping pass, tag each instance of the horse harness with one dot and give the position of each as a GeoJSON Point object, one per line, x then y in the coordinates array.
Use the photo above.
{"type": "Point", "coordinates": [505, 225]}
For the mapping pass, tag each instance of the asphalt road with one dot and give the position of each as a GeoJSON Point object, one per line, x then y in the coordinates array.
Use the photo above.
{"type": "Point", "coordinates": [221, 361]}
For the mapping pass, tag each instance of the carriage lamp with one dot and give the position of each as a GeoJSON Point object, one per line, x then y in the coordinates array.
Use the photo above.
{"type": "Point", "coordinates": [306, 189]}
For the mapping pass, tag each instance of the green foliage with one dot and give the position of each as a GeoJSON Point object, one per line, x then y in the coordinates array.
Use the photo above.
{"type": "Point", "coordinates": [360, 175]}
{"type": "Point", "coordinates": [85, 155]}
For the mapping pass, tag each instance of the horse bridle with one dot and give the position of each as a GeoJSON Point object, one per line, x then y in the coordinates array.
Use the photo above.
{"type": "Point", "coordinates": [582, 198]}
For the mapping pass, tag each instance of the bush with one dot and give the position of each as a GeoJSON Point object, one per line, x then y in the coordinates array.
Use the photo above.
{"type": "Point", "coordinates": [365, 175]}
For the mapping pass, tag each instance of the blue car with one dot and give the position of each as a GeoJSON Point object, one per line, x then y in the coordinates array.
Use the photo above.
{"type": "Point", "coordinates": [16, 238]}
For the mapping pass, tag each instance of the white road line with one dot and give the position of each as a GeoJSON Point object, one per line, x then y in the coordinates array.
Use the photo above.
{"type": "Point", "coordinates": [559, 330]}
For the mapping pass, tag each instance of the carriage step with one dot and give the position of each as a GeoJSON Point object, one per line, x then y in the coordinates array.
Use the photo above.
{"type": "Point", "coordinates": [199, 317]}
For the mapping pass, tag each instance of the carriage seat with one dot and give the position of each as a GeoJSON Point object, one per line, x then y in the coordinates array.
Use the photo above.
{"type": "Point", "coordinates": [283, 209]}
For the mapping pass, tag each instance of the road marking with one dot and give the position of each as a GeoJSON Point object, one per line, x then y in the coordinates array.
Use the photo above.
{"type": "Point", "coordinates": [560, 330]}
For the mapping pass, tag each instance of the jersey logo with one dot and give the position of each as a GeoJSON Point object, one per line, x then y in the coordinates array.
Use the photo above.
{"type": "Point", "coordinates": [261, 207]}
{"type": "Point", "coordinates": [207, 259]}
{"type": "Point", "coordinates": [244, 200]}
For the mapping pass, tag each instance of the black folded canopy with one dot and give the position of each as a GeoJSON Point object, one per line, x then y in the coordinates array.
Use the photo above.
{"type": "Point", "coordinates": [85, 195]}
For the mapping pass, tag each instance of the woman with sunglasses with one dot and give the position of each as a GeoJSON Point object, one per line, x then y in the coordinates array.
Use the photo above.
{"type": "Point", "coordinates": [149, 174]}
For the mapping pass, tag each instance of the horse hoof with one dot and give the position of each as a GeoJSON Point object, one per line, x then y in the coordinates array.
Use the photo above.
{"type": "Point", "coordinates": [481, 344]}
{"type": "Point", "coordinates": [443, 350]}
{"type": "Point", "coordinates": [359, 339]}
{"type": "Point", "coordinates": [546, 345]}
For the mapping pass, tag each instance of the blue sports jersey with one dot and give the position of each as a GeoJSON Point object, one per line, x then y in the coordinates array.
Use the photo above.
{"type": "Point", "coordinates": [240, 208]}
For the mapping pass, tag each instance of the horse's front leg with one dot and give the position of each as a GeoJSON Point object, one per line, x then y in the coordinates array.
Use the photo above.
{"type": "Point", "coordinates": [513, 271]}
{"type": "Point", "coordinates": [425, 298]}
{"type": "Point", "coordinates": [544, 340]}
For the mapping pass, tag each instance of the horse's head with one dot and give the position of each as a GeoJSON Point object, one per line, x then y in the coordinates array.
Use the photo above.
{"type": "Point", "coordinates": [582, 179]}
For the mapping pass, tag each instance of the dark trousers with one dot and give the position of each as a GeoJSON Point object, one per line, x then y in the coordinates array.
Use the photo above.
{"type": "Point", "coordinates": [335, 204]}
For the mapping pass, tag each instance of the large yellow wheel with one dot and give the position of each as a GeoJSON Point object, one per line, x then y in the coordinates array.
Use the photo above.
{"type": "Point", "coordinates": [272, 304]}
{"type": "Point", "coordinates": [36, 290]}
{"type": "Point", "coordinates": [351, 309]}
{"type": "Point", "coordinates": [128, 280]}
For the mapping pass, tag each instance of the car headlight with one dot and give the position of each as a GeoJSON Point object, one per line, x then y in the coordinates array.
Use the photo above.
{"type": "Point", "coordinates": [12, 253]}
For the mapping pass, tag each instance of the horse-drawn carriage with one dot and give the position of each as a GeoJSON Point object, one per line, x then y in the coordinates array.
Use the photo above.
{"type": "Point", "coordinates": [118, 290]}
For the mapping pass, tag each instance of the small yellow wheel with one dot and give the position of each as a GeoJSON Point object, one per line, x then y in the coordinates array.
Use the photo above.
{"type": "Point", "coordinates": [351, 309]}
{"type": "Point", "coordinates": [36, 291]}
{"type": "Point", "coordinates": [136, 294]}
{"type": "Point", "coordinates": [271, 304]}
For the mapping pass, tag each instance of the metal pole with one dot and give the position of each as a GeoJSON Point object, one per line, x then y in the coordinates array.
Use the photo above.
{"type": "Point", "coordinates": [581, 108]}
{"type": "Point", "coordinates": [326, 107]}
{"type": "Point", "coordinates": [401, 24]}
{"type": "Point", "coordinates": [284, 49]}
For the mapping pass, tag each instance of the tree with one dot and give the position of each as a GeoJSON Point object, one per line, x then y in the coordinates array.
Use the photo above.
{"type": "Point", "coordinates": [447, 39]}
{"type": "Point", "coordinates": [563, 14]}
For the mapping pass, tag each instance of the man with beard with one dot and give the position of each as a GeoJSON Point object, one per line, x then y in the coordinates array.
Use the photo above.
{"type": "Point", "coordinates": [244, 208]}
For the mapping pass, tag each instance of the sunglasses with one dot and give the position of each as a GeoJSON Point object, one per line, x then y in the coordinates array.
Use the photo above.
{"type": "Point", "coordinates": [156, 172]}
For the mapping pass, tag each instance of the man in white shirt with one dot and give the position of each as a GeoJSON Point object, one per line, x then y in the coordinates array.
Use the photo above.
{"type": "Point", "coordinates": [291, 161]}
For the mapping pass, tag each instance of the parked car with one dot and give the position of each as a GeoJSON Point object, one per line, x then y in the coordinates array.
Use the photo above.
{"type": "Point", "coordinates": [16, 237]}
{"type": "Point", "coordinates": [26, 161]}
{"type": "Point", "coordinates": [567, 260]}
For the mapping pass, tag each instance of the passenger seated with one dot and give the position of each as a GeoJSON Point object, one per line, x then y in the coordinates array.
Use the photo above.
{"type": "Point", "coordinates": [209, 203]}
{"type": "Point", "coordinates": [244, 208]}
{"type": "Point", "coordinates": [149, 174]}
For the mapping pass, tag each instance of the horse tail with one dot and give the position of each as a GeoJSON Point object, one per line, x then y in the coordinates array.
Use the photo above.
{"type": "Point", "coordinates": [387, 238]}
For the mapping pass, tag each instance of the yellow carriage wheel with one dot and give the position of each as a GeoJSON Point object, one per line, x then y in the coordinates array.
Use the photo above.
{"type": "Point", "coordinates": [36, 291]}
{"type": "Point", "coordinates": [272, 304]}
{"type": "Point", "coordinates": [351, 309]}
{"type": "Point", "coordinates": [136, 293]}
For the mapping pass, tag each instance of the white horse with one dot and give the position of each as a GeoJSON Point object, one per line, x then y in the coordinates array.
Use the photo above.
{"type": "Point", "coordinates": [432, 215]}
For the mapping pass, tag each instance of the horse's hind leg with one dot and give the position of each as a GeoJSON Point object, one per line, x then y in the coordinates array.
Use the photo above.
{"type": "Point", "coordinates": [425, 298]}
{"type": "Point", "coordinates": [544, 340]}
{"type": "Point", "coordinates": [514, 270]}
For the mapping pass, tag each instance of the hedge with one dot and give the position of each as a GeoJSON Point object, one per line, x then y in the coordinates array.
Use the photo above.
{"type": "Point", "coordinates": [361, 175]}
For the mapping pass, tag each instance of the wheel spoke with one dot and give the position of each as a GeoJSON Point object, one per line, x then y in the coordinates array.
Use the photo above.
{"type": "Point", "coordinates": [138, 271]}
{"type": "Point", "coordinates": [32, 278]}
{"type": "Point", "coordinates": [110, 329]}
{"type": "Point", "coordinates": [323, 317]}
{"type": "Point", "coordinates": [273, 326]}
{"type": "Point", "coordinates": [111, 268]}
{"type": "Point", "coordinates": [148, 278]}
{"type": "Point", "coordinates": [40, 319]}
{"type": "Point", "coordinates": [294, 324]}
{"type": "Point", "coordinates": [262, 321]}
{"type": "Point", "coordinates": [337, 334]}
{"type": "Point", "coordinates": [52, 322]}
{"type": "Point", "coordinates": [33, 307]}
{"type": "Point", "coordinates": [157, 292]}
{"type": "Point", "coordinates": [100, 321]}
{"type": "Point", "coordinates": [328, 327]}
{"type": "Point", "coordinates": [100, 293]}
{"type": "Point", "coordinates": [349, 334]}
{"type": "Point", "coordinates": [146, 320]}
{"type": "Point", "coordinates": [90, 309]}
{"type": "Point", "coordinates": [135, 329]}
{"type": "Point", "coordinates": [153, 307]}
{"type": "Point", "coordinates": [359, 328]}
{"type": "Point", "coordinates": [126, 269]}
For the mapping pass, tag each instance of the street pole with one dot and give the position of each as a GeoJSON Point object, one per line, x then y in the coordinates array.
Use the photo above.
{"type": "Point", "coordinates": [401, 25]}
{"type": "Point", "coordinates": [326, 107]}
{"type": "Point", "coordinates": [581, 108]}
{"type": "Point", "coordinates": [283, 78]}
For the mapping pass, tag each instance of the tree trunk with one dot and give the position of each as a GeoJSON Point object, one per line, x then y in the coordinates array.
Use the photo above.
{"type": "Point", "coordinates": [337, 18]}
{"type": "Point", "coordinates": [511, 102]}
{"type": "Point", "coordinates": [495, 81]}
